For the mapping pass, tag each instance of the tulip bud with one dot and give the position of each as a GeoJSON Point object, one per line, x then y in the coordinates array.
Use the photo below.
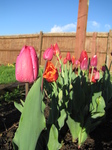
{"type": "Point", "coordinates": [83, 55]}
{"type": "Point", "coordinates": [64, 61]}
{"type": "Point", "coordinates": [73, 60]}
{"type": "Point", "coordinates": [77, 63]}
{"type": "Point", "coordinates": [48, 54]}
{"type": "Point", "coordinates": [103, 68]}
{"type": "Point", "coordinates": [97, 76]}
{"type": "Point", "coordinates": [68, 57]}
{"type": "Point", "coordinates": [56, 49]}
{"type": "Point", "coordinates": [93, 62]}
{"type": "Point", "coordinates": [84, 64]}
{"type": "Point", "coordinates": [93, 79]}
{"type": "Point", "coordinates": [27, 65]}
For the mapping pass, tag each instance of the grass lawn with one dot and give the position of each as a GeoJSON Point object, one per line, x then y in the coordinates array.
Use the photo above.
{"type": "Point", "coordinates": [7, 74]}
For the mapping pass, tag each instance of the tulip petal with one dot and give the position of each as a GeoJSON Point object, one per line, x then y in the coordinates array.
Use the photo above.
{"type": "Point", "coordinates": [35, 62]}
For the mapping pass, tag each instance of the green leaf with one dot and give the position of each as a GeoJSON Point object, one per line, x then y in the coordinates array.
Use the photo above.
{"type": "Point", "coordinates": [18, 106]}
{"type": "Point", "coordinates": [32, 120]}
{"type": "Point", "coordinates": [82, 137]}
{"type": "Point", "coordinates": [53, 143]}
{"type": "Point", "coordinates": [62, 118]}
{"type": "Point", "coordinates": [74, 127]}
{"type": "Point", "coordinates": [97, 106]}
{"type": "Point", "coordinates": [66, 75]}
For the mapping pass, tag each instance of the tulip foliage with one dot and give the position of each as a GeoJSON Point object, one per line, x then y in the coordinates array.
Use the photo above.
{"type": "Point", "coordinates": [77, 94]}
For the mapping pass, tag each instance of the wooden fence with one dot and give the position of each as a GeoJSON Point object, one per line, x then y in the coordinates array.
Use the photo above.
{"type": "Point", "coordinates": [96, 43]}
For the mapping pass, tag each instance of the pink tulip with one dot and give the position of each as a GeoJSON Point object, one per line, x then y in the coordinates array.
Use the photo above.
{"type": "Point", "coordinates": [27, 65]}
{"type": "Point", "coordinates": [77, 63]}
{"type": "Point", "coordinates": [83, 55]}
{"type": "Point", "coordinates": [48, 54]}
{"type": "Point", "coordinates": [93, 61]}
{"type": "Point", "coordinates": [84, 64]}
{"type": "Point", "coordinates": [97, 76]}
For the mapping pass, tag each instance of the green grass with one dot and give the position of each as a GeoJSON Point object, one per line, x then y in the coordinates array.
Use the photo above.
{"type": "Point", "coordinates": [7, 74]}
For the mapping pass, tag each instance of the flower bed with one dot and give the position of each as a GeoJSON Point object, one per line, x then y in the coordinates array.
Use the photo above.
{"type": "Point", "coordinates": [78, 92]}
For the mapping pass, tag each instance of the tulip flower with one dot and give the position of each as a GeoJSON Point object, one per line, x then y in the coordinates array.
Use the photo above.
{"type": "Point", "coordinates": [27, 65]}
{"type": "Point", "coordinates": [103, 68]}
{"type": "Point", "coordinates": [51, 73]}
{"type": "Point", "coordinates": [93, 61]}
{"type": "Point", "coordinates": [59, 57]}
{"type": "Point", "coordinates": [77, 63]}
{"type": "Point", "coordinates": [64, 61]}
{"type": "Point", "coordinates": [73, 60]}
{"type": "Point", "coordinates": [83, 55]}
{"type": "Point", "coordinates": [94, 70]}
{"type": "Point", "coordinates": [56, 49]}
{"type": "Point", "coordinates": [97, 76]}
{"type": "Point", "coordinates": [48, 54]}
{"type": "Point", "coordinates": [93, 79]}
{"type": "Point", "coordinates": [68, 57]}
{"type": "Point", "coordinates": [84, 64]}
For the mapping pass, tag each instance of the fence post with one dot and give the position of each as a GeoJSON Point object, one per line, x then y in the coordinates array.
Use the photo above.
{"type": "Point", "coordinates": [40, 46]}
{"type": "Point", "coordinates": [108, 57]}
{"type": "Point", "coordinates": [81, 27]}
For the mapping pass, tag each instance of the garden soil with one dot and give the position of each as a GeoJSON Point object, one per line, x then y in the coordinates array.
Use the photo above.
{"type": "Point", "coordinates": [99, 139]}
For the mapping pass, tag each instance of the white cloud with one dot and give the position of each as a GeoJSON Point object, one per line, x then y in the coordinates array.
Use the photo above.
{"type": "Point", "coordinates": [66, 28]}
{"type": "Point", "coordinates": [107, 26]}
{"type": "Point", "coordinates": [93, 24]}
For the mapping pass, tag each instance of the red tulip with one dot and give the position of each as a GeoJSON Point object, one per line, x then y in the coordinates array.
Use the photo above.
{"type": "Point", "coordinates": [93, 79]}
{"type": "Point", "coordinates": [48, 54]}
{"type": "Point", "coordinates": [27, 65]}
{"type": "Point", "coordinates": [64, 61]}
{"type": "Point", "coordinates": [59, 57]}
{"type": "Point", "coordinates": [51, 73]}
{"type": "Point", "coordinates": [93, 61]}
{"type": "Point", "coordinates": [68, 56]}
{"type": "Point", "coordinates": [56, 49]}
{"type": "Point", "coordinates": [94, 70]}
{"type": "Point", "coordinates": [84, 64]}
{"type": "Point", "coordinates": [83, 55]}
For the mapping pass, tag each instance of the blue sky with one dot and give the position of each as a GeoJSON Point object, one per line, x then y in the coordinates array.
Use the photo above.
{"type": "Point", "coordinates": [33, 16]}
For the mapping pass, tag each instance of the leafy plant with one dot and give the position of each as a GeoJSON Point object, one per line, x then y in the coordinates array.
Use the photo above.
{"type": "Point", "coordinates": [77, 99]}
{"type": "Point", "coordinates": [13, 95]}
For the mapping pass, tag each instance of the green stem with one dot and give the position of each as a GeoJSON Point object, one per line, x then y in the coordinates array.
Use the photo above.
{"type": "Point", "coordinates": [42, 76]}
{"type": "Point", "coordinates": [26, 88]}
{"type": "Point", "coordinates": [91, 74]}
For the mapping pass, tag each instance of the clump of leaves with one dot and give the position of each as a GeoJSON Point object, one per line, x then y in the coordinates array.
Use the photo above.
{"type": "Point", "coordinates": [17, 93]}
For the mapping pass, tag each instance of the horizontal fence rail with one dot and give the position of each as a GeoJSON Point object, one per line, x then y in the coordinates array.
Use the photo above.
{"type": "Point", "coordinates": [96, 43]}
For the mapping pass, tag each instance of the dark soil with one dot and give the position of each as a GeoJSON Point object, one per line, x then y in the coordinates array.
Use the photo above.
{"type": "Point", "coordinates": [99, 139]}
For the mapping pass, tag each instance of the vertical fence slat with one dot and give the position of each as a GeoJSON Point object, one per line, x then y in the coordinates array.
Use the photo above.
{"type": "Point", "coordinates": [40, 46]}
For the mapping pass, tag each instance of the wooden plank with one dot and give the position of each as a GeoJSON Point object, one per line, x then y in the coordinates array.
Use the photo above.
{"type": "Point", "coordinates": [40, 46]}
{"type": "Point", "coordinates": [81, 27]}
